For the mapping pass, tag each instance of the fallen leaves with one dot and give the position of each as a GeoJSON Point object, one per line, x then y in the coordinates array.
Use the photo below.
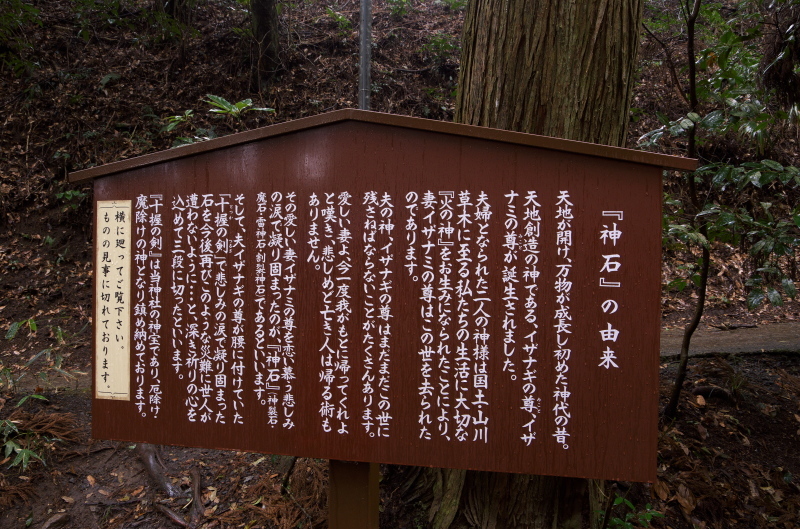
{"type": "Point", "coordinates": [661, 489]}
{"type": "Point", "coordinates": [686, 499]}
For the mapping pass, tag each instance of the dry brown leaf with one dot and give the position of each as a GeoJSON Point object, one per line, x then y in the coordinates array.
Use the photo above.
{"type": "Point", "coordinates": [702, 431]}
{"type": "Point", "coordinates": [661, 489]}
{"type": "Point", "coordinates": [211, 495]}
{"type": "Point", "coordinates": [91, 480]}
{"type": "Point", "coordinates": [701, 401]}
{"type": "Point", "coordinates": [686, 499]}
{"type": "Point", "coordinates": [776, 494]}
{"type": "Point", "coordinates": [753, 489]}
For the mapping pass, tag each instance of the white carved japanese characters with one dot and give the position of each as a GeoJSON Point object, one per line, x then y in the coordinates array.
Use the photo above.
{"type": "Point", "coordinates": [226, 252]}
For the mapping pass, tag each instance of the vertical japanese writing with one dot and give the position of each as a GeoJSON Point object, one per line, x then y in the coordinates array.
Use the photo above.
{"type": "Point", "coordinates": [463, 294]}
{"type": "Point", "coordinates": [453, 233]}
{"type": "Point", "coordinates": [443, 298]}
{"type": "Point", "coordinates": [186, 353]}
{"type": "Point", "coordinates": [609, 236]}
{"type": "Point", "coordinates": [231, 241]}
{"type": "Point", "coordinates": [140, 308]}
{"type": "Point", "coordinates": [289, 280]}
{"type": "Point", "coordinates": [563, 316]}
{"type": "Point", "coordinates": [385, 293]}
{"type": "Point", "coordinates": [147, 310]}
{"type": "Point", "coordinates": [223, 338]}
{"type": "Point", "coordinates": [480, 418]}
{"type": "Point", "coordinates": [156, 244]}
{"type": "Point", "coordinates": [427, 297]}
{"type": "Point", "coordinates": [204, 385]}
{"type": "Point", "coordinates": [208, 285]}
{"type": "Point", "coordinates": [531, 402]}
{"type": "Point", "coordinates": [426, 337]}
{"type": "Point", "coordinates": [260, 360]}
{"type": "Point", "coordinates": [510, 278]}
{"type": "Point", "coordinates": [377, 288]}
{"type": "Point", "coordinates": [276, 258]}
{"type": "Point", "coordinates": [335, 263]}
{"type": "Point", "coordinates": [112, 293]}
{"type": "Point", "coordinates": [178, 282]}
{"type": "Point", "coordinates": [370, 312]}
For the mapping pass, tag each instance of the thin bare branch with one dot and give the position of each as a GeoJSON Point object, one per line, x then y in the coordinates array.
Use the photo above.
{"type": "Point", "coordinates": [673, 72]}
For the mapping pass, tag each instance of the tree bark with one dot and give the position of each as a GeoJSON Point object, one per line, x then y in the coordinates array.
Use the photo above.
{"type": "Point", "coordinates": [557, 68]}
{"type": "Point", "coordinates": [265, 33]}
{"type": "Point", "coordinates": [180, 10]}
{"type": "Point", "coordinates": [562, 68]}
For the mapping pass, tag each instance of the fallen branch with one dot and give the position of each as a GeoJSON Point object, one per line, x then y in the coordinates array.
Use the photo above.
{"type": "Point", "coordinates": [713, 392]}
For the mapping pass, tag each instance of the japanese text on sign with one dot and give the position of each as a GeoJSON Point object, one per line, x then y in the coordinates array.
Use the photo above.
{"type": "Point", "coordinates": [112, 298]}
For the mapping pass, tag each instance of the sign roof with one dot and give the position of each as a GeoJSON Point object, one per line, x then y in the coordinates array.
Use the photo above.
{"type": "Point", "coordinates": [378, 118]}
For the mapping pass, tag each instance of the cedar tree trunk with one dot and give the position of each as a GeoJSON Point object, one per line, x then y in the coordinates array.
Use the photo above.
{"type": "Point", "coordinates": [559, 68]}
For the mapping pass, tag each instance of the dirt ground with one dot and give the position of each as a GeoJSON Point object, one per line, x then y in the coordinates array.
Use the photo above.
{"type": "Point", "coordinates": [730, 459]}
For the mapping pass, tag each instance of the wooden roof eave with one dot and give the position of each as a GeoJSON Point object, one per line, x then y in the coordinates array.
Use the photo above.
{"type": "Point", "coordinates": [339, 116]}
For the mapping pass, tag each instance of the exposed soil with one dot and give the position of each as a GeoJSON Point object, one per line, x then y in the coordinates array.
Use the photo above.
{"type": "Point", "coordinates": [730, 460]}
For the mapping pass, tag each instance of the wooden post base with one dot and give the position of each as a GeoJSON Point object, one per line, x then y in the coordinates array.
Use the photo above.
{"type": "Point", "coordinates": [353, 495]}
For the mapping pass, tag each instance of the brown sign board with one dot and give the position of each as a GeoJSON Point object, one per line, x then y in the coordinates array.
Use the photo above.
{"type": "Point", "coordinates": [366, 287]}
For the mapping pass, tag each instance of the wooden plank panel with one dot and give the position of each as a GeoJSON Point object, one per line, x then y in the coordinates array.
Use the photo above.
{"type": "Point", "coordinates": [368, 292]}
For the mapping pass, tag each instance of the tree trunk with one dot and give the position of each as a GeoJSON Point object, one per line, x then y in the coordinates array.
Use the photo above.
{"type": "Point", "coordinates": [265, 34]}
{"type": "Point", "coordinates": [180, 10]}
{"type": "Point", "coordinates": [560, 68]}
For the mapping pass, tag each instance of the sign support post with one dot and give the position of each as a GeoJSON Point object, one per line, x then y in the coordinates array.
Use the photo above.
{"type": "Point", "coordinates": [353, 495]}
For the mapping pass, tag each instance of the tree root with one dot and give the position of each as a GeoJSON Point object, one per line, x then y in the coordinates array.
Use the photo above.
{"type": "Point", "coordinates": [151, 459]}
{"type": "Point", "coordinates": [196, 514]}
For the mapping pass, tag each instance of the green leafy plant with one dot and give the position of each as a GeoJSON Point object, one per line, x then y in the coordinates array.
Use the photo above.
{"type": "Point", "coordinates": [440, 47]}
{"type": "Point", "coordinates": [72, 198]}
{"type": "Point", "coordinates": [15, 327]}
{"type": "Point", "coordinates": [52, 356]}
{"type": "Point", "coordinates": [222, 107]}
{"type": "Point", "coordinates": [453, 5]}
{"type": "Point", "coordinates": [630, 517]}
{"type": "Point", "coordinates": [11, 434]}
{"type": "Point", "coordinates": [740, 203]}
{"type": "Point", "coordinates": [20, 447]}
{"type": "Point", "coordinates": [344, 24]}
{"type": "Point", "coordinates": [399, 8]}
{"type": "Point", "coordinates": [108, 78]}
{"type": "Point", "coordinates": [15, 17]}
{"type": "Point", "coordinates": [93, 14]}
{"type": "Point", "coordinates": [174, 122]}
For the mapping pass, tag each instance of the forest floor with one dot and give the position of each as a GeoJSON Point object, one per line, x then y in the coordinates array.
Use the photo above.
{"type": "Point", "coordinates": [100, 89]}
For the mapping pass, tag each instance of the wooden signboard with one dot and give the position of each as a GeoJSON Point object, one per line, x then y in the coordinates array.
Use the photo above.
{"type": "Point", "coordinates": [365, 287]}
